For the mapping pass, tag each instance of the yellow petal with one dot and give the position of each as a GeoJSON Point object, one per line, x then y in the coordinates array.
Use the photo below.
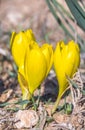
{"type": "Point", "coordinates": [23, 84]}
{"type": "Point", "coordinates": [47, 50]}
{"type": "Point", "coordinates": [66, 62]}
{"type": "Point", "coordinates": [18, 48]}
{"type": "Point", "coordinates": [12, 39]}
{"type": "Point", "coordinates": [19, 42]}
{"type": "Point", "coordinates": [73, 58]}
{"type": "Point", "coordinates": [33, 44]}
{"type": "Point", "coordinates": [35, 68]}
{"type": "Point", "coordinates": [30, 35]}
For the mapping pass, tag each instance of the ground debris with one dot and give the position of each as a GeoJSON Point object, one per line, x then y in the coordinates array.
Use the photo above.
{"type": "Point", "coordinates": [5, 96]}
{"type": "Point", "coordinates": [26, 119]}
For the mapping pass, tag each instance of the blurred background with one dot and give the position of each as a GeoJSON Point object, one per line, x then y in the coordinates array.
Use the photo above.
{"type": "Point", "coordinates": [24, 14]}
{"type": "Point", "coordinates": [16, 15]}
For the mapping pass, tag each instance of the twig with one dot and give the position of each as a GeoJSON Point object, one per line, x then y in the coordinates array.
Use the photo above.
{"type": "Point", "coordinates": [72, 94]}
{"type": "Point", "coordinates": [43, 116]}
{"type": "Point", "coordinates": [64, 125]}
{"type": "Point", "coordinates": [3, 52]}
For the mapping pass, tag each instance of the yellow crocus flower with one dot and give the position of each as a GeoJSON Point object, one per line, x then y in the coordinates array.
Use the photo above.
{"type": "Point", "coordinates": [34, 62]}
{"type": "Point", "coordinates": [36, 68]}
{"type": "Point", "coordinates": [19, 43]}
{"type": "Point", "coordinates": [66, 62]}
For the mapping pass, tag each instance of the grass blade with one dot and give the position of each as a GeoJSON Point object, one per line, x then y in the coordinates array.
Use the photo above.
{"type": "Point", "coordinates": [77, 12]}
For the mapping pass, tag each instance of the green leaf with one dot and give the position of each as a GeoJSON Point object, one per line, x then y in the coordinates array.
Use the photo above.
{"type": "Point", "coordinates": [72, 82]}
{"type": "Point", "coordinates": [77, 12]}
{"type": "Point", "coordinates": [52, 9]}
{"type": "Point", "coordinates": [68, 108]}
{"type": "Point", "coordinates": [75, 86]}
{"type": "Point", "coordinates": [20, 102]}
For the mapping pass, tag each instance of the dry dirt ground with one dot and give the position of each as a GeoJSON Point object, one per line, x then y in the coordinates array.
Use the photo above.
{"type": "Point", "coordinates": [16, 15]}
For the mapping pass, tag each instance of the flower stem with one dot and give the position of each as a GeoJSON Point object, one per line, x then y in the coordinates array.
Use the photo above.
{"type": "Point", "coordinates": [33, 101]}
{"type": "Point", "coordinates": [55, 106]}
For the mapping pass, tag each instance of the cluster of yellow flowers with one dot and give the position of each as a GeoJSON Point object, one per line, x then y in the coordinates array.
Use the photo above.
{"type": "Point", "coordinates": [34, 62]}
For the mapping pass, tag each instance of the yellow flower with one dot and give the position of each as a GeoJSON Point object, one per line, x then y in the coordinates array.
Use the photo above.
{"type": "Point", "coordinates": [34, 62]}
{"type": "Point", "coordinates": [66, 62]}
{"type": "Point", "coordinates": [38, 62]}
{"type": "Point", "coordinates": [19, 43]}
